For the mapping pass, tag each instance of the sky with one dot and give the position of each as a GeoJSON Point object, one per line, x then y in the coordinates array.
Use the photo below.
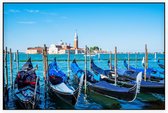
{"type": "Point", "coordinates": [127, 26]}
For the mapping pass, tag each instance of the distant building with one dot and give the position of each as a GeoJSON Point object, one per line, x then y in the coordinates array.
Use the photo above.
{"type": "Point", "coordinates": [63, 48]}
{"type": "Point", "coordinates": [35, 50]}
{"type": "Point", "coordinates": [53, 49]}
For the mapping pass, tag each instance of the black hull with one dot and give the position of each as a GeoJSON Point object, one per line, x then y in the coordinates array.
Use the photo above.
{"type": "Point", "coordinates": [158, 90]}
{"type": "Point", "coordinates": [127, 96]}
{"type": "Point", "coordinates": [27, 104]}
{"type": "Point", "coordinates": [143, 88]}
{"type": "Point", "coordinates": [66, 97]}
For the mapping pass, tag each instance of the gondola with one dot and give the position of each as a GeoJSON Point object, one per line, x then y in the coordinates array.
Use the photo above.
{"type": "Point", "coordinates": [129, 74]}
{"type": "Point", "coordinates": [161, 65]}
{"type": "Point", "coordinates": [59, 86]}
{"type": "Point", "coordinates": [146, 86]}
{"type": "Point", "coordinates": [110, 73]}
{"type": "Point", "coordinates": [26, 87]}
{"type": "Point", "coordinates": [150, 72]}
{"type": "Point", "coordinates": [107, 89]}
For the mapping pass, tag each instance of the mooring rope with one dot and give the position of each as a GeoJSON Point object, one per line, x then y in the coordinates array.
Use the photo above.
{"type": "Point", "coordinates": [80, 86]}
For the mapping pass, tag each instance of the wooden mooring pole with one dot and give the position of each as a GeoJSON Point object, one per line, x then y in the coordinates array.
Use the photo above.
{"type": "Point", "coordinates": [85, 67]}
{"type": "Point", "coordinates": [128, 60]}
{"type": "Point", "coordinates": [111, 60]}
{"type": "Point", "coordinates": [136, 53]}
{"type": "Point", "coordinates": [45, 64]}
{"type": "Point", "coordinates": [146, 61]}
{"type": "Point", "coordinates": [6, 71]}
{"type": "Point", "coordinates": [68, 63]}
{"type": "Point", "coordinates": [17, 60]}
{"type": "Point", "coordinates": [46, 60]}
{"type": "Point", "coordinates": [115, 66]}
{"type": "Point", "coordinates": [90, 58]}
{"type": "Point", "coordinates": [11, 68]}
{"type": "Point", "coordinates": [45, 68]}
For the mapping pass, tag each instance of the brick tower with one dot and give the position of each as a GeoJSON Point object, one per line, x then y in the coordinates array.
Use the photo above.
{"type": "Point", "coordinates": [76, 41]}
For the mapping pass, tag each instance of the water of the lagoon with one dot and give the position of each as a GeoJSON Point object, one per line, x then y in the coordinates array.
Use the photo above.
{"type": "Point", "coordinates": [92, 101]}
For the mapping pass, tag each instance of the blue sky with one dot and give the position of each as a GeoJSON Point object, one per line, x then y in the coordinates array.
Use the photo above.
{"type": "Point", "coordinates": [127, 26]}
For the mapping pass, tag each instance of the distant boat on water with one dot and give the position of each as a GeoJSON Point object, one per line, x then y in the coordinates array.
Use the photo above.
{"type": "Point", "coordinates": [90, 55]}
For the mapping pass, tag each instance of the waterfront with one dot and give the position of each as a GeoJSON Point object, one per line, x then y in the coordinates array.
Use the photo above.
{"type": "Point", "coordinates": [92, 101]}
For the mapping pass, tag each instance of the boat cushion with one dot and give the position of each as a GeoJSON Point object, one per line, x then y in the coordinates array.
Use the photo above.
{"type": "Point", "coordinates": [62, 87]}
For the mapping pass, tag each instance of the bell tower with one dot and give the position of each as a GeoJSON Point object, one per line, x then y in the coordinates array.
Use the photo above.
{"type": "Point", "coordinates": [76, 41]}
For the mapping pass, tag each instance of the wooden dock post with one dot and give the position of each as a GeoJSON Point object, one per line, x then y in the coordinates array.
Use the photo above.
{"type": "Point", "coordinates": [45, 61]}
{"type": "Point", "coordinates": [115, 69]}
{"type": "Point", "coordinates": [4, 83]}
{"type": "Point", "coordinates": [90, 58]}
{"type": "Point", "coordinates": [146, 61]}
{"type": "Point", "coordinates": [17, 60]}
{"type": "Point", "coordinates": [68, 63]}
{"type": "Point", "coordinates": [128, 60]}
{"type": "Point", "coordinates": [85, 66]}
{"type": "Point", "coordinates": [110, 60]}
{"type": "Point", "coordinates": [11, 68]}
{"type": "Point", "coordinates": [136, 59]}
{"type": "Point", "coordinates": [45, 68]}
{"type": "Point", "coordinates": [6, 71]}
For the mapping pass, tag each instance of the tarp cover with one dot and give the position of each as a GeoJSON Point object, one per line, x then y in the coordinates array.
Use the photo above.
{"type": "Point", "coordinates": [55, 71]}
{"type": "Point", "coordinates": [62, 87]}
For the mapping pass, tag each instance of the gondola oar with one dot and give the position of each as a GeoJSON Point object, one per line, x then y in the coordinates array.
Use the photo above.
{"type": "Point", "coordinates": [35, 90]}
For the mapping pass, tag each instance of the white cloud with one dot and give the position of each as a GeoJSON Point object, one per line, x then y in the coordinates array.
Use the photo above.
{"type": "Point", "coordinates": [14, 11]}
{"type": "Point", "coordinates": [31, 11]}
{"type": "Point", "coordinates": [26, 22]}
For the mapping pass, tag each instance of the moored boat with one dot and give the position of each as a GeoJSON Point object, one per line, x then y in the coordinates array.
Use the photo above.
{"type": "Point", "coordinates": [58, 84]}
{"type": "Point", "coordinates": [146, 86]}
{"type": "Point", "coordinates": [151, 74]}
{"type": "Point", "coordinates": [27, 89]}
{"type": "Point", "coordinates": [105, 88]}
{"type": "Point", "coordinates": [161, 65]}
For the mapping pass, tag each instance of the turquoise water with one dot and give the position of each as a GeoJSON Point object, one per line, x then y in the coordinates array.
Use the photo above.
{"type": "Point", "coordinates": [47, 101]}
